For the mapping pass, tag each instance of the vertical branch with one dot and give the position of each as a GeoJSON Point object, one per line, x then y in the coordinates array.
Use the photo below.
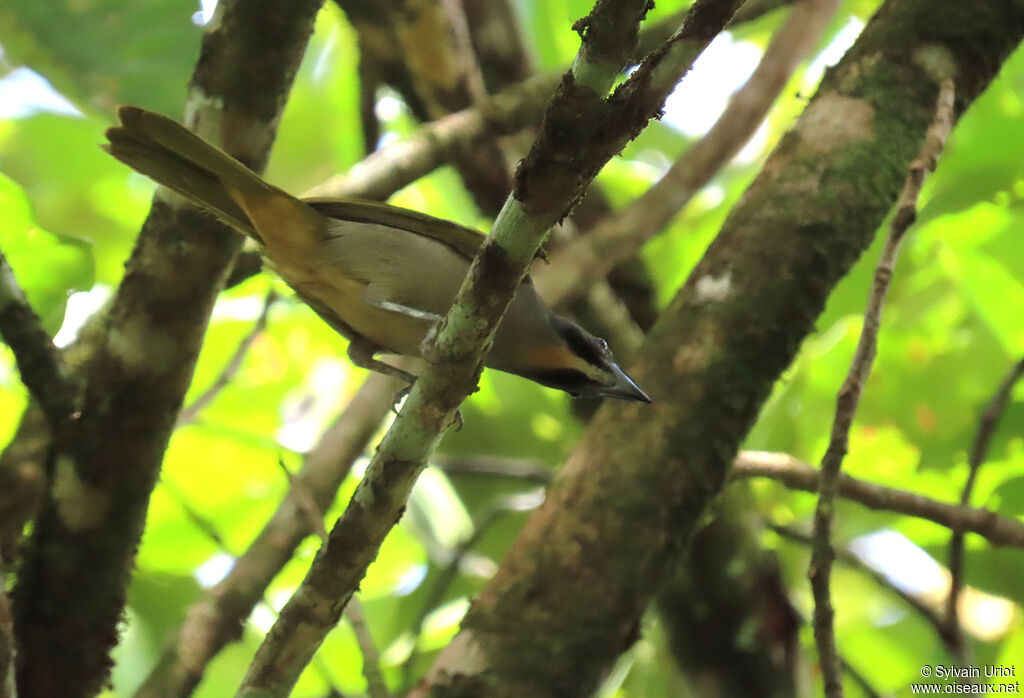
{"type": "Point", "coordinates": [822, 554]}
{"type": "Point", "coordinates": [986, 429]}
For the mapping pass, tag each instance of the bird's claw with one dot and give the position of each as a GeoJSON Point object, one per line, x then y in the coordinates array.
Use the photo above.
{"type": "Point", "coordinates": [399, 396]}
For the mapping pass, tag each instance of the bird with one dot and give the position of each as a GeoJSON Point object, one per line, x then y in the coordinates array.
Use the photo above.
{"type": "Point", "coordinates": [379, 275]}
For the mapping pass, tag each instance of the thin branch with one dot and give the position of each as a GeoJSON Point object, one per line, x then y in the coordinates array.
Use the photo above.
{"type": "Point", "coordinates": [41, 368]}
{"type": "Point", "coordinates": [850, 559]}
{"type": "Point", "coordinates": [482, 523]}
{"type": "Point", "coordinates": [797, 475]}
{"type": "Point", "coordinates": [514, 468]}
{"type": "Point", "coordinates": [618, 237]}
{"type": "Point", "coordinates": [403, 162]}
{"type": "Point", "coordinates": [858, 678]}
{"type": "Point", "coordinates": [189, 414]}
{"type": "Point", "coordinates": [306, 502]}
{"type": "Point", "coordinates": [203, 523]}
{"type": "Point", "coordinates": [849, 394]}
{"type": "Point", "coordinates": [375, 684]}
{"type": "Point", "coordinates": [8, 689]}
{"type": "Point", "coordinates": [986, 429]}
{"type": "Point", "coordinates": [653, 36]}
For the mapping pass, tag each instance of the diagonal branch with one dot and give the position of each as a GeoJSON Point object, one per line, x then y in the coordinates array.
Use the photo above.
{"type": "Point", "coordinates": [217, 619]}
{"type": "Point", "coordinates": [41, 368]}
{"type": "Point", "coordinates": [454, 352]}
{"type": "Point", "coordinates": [189, 414]}
{"type": "Point", "coordinates": [849, 394]}
{"type": "Point", "coordinates": [850, 559]}
{"type": "Point", "coordinates": [619, 236]}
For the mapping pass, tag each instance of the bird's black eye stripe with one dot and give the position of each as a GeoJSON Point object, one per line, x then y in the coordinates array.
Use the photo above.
{"type": "Point", "coordinates": [585, 346]}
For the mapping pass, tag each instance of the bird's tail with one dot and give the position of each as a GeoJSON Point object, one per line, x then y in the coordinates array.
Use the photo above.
{"type": "Point", "coordinates": [166, 151]}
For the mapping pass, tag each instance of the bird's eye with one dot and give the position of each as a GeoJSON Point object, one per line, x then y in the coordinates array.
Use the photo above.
{"type": "Point", "coordinates": [603, 344]}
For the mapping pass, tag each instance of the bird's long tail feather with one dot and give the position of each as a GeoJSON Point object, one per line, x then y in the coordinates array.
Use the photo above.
{"type": "Point", "coordinates": [172, 155]}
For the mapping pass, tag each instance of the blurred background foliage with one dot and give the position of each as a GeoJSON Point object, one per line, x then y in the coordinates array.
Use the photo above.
{"type": "Point", "coordinates": [953, 326]}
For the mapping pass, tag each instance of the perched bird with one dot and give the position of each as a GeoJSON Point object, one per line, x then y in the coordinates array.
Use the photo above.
{"type": "Point", "coordinates": [378, 274]}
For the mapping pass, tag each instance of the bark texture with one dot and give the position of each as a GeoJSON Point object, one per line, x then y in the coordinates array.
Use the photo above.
{"type": "Point", "coordinates": [71, 589]}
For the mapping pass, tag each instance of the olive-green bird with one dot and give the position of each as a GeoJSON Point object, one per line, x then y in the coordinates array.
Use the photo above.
{"type": "Point", "coordinates": [378, 274]}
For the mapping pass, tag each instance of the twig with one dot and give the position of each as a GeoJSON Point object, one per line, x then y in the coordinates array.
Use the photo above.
{"type": "Point", "coordinates": [41, 368]}
{"type": "Point", "coordinates": [849, 394]}
{"type": "Point", "coordinates": [651, 37]}
{"type": "Point", "coordinates": [306, 502]}
{"type": "Point", "coordinates": [482, 523]}
{"type": "Point", "coordinates": [201, 521]}
{"type": "Point", "coordinates": [859, 679]}
{"type": "Point", "coordinates": [189, 414]}
{"type": "Point", "coordinates": [403, 162]}
{"type": "Point", "coordinates": [797, 475]}
{"type": "Point", "coordinates": [515, 468]}
{"type": "Point", "coordinates": [986, 429]}
{"type": "Point", "coordinates": [375, 684]}
{"type": "Point", "coordinates": [590, 257]}
{"type": "Point", "coordinates": [8, 688]}
{"type": "Point", "coordinates": [850, 559]}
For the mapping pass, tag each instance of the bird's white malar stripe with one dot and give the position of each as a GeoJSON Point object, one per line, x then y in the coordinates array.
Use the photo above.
{"type": "Point", "coordinates": [406, 310]}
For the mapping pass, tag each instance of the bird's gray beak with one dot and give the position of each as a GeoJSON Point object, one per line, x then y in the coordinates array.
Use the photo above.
{"type": "Point", "coordinates": [624, 388]}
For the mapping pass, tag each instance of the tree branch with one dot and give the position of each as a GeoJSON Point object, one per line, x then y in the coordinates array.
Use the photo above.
{"type": "Point", "coordinates": [70, 594]}
{"type": "Point", "coordinates": [797, 475]}
{"type": "Point", "coordinates": [850, 559]}
{"type": "Point", "coordinates": [619, 236]}
{"type": "Point", "coordinates": [376, 686]}
{"type": "Point", "coordinates": [217, 619]}
{"type": "Point", "coordinates": [426, 55]}
{"type": "Point", "coordinates": [820, 571]}
{"type": "Point", "coordinates": [403, 162]}
{"type": "Point", "coordinates": [41, 368]}
{"type": "Point", "coordinates": [189, 414]}
{"type": "Point", "coordinates": [986, 429]}
{"type": "Point", "coordinates": [454, 356]}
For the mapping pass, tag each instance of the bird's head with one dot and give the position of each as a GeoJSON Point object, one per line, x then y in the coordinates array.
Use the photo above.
{"type": "Point", "coordinates": [581, 364]}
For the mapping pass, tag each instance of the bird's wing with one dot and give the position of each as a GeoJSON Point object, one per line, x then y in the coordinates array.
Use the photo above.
{"type": "Point", "coordinates": [462, 240]}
